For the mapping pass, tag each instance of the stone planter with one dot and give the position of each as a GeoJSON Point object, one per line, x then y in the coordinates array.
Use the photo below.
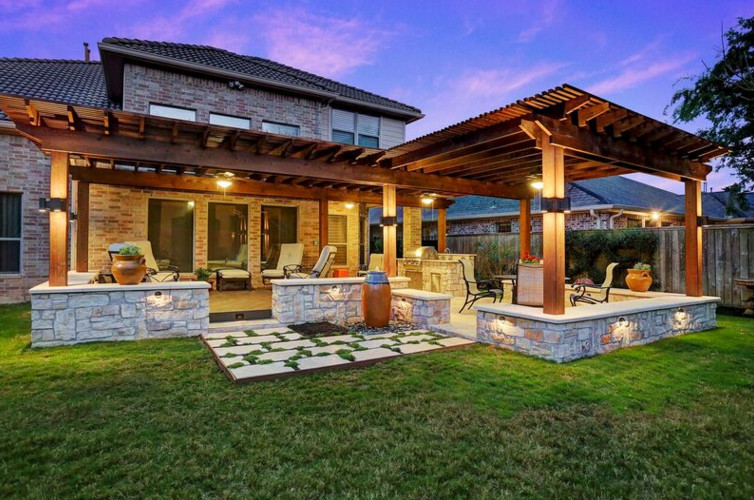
{"type": "Point", "coordinates": [129, 269]}
{"type": "Point", "coordinates": [638, 280]}
{"type": "Point", "coordinates": [530, 284]}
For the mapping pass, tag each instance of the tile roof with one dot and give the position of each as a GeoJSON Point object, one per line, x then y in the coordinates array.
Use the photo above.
{"type": "Point", "coordinates": [715, 203]}
{"type": "Point", "coordinates": [255, 67]}
{"type": "Point", "coordinates": [75, 82]}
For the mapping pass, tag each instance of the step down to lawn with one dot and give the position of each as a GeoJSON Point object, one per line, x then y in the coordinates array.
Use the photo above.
{"type": "Point", "coordinates": [240, 326]}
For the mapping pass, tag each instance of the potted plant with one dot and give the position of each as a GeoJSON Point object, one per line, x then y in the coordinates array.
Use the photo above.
{"type": "Point", "coordinates": [639, 278]}
{"type": "Point", "coordinates": [129, 265]}
{"type": "Point", "coordinates": [203, 274]}
{"type": "Point", "coordinates": [530, 281]}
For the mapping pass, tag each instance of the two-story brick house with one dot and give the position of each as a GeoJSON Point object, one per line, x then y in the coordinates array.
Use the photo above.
{"type": "Point", "coordinates": [189, 83]}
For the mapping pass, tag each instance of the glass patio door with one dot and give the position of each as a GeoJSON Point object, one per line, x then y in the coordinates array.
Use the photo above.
{"type": "Point", "coordinates": [227, 231]}
{"type": "Point", "coordinates": [279, 225]}
{"type": "Point", "coordinates": [170, 229]}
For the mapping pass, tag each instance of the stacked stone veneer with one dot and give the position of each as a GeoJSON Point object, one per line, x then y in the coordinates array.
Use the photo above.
{"type": "Point", "coordinates": [75, 317]}
{"type": "Point", "coordinates": [562, 342]}
{"type": "Point", "coordinates": [334, 300]}
{"type": "Point", "coordinates": [421, 309]}
{"type": "Point", "coordinates": [445, 271]}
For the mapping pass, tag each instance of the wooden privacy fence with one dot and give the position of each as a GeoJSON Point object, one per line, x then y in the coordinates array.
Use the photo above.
{"type": "Point", "coordinates": [728, 253]}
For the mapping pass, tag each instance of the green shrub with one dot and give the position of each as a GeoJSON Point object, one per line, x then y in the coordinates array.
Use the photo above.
{"type": "Point", "coordinates": [129, 249]}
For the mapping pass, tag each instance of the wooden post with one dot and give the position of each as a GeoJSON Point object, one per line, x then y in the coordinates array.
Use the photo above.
{"type": "Point", "coordinates": [389, 239]}
{"type": "Point", "coordinates": [524, 227]}
{"type": "Point", "coordinates": [442, 229]}
{"type": "Point", "coordinates": [82, 227]}
{"type": "Point", "coordinates": [553, 229]}
{"type": "Point", "coordinates": [324, 222]}
{"type": "Point", "coordinates": [693, 238]}
{"type": "Point", "coordinates": [59, 220]}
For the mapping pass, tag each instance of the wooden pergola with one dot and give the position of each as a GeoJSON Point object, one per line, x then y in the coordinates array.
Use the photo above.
{"type": "Point", "coordinates": [561, 135]}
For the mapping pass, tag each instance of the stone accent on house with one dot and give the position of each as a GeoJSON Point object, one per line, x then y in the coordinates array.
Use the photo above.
{"type": "Point", "coordinates": [337, 300]}
{"type": "Point", "coordinates": [88, 313]}
{"type": "Point", "coordinates": [595, 329]}
{"type": "Point", "coordinates": [421, 308]}
{"type": "Point", "coordinates": [143, 86]}
{"type": "Point", "coordinates": [26, 170]}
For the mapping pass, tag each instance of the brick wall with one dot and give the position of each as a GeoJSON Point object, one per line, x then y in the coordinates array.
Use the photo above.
{"type": "Point", "coordinates": [120, 214]}
{"type": "Point", "coordinates": [143, 86]}
{"type": "Point", "coordinates": [412, 227]}
{"type": "Point", "coordinates": [26, 170]}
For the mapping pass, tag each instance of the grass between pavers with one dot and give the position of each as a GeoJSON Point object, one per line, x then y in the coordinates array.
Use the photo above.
{"type": "Point", "coordinates": [157, 418]}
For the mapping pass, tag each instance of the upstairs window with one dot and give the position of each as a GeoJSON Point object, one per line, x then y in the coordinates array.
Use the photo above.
{"type": "Point", "coordinates": [229, 121]}
{"type": "Point", "coordinates": [163, 111]}
{"type": "Point", "coordinates": [355, 128]}
{"type": "Point", "coordinates": [10, 233]}
{"type": "Point", "coordinates": [281, 128]}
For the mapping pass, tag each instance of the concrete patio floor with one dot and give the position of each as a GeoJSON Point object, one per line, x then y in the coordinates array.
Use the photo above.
{"type": "Point", "coordinates": [273, 352]}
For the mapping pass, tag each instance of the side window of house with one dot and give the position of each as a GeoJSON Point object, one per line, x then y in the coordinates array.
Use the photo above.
{"type": "Point", "coordinates": [172, 112]}
{"type": "Point", "coordinates": [337, 236]}
{"type": "Point", "coordinates": [229, 121]}
{"type": "Point", "coordinates": [355, 128]}
{"type": "Point", "coordinates": [281, 128]}
{"type": "Point", "coordinates": [10, 233]}
{"type": "Point", "coordinates": [504, 227]}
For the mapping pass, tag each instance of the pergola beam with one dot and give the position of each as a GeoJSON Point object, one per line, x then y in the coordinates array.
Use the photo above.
{"type": "Point", "coordinates": [150, 151]}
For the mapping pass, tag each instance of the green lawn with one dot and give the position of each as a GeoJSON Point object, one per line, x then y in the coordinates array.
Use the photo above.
{"type": "Point", "coordinates": [674, 419]}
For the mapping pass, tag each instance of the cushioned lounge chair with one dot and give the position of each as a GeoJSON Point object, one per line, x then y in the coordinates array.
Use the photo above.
{"type": "Point", "coordinates": [320, 269]}
{"type": "Point", "coordinates": [239, 261]}
{"type": "Point", "coordinates": [290, 255]}
{"type": "Point", "coordinates": [375, 263]}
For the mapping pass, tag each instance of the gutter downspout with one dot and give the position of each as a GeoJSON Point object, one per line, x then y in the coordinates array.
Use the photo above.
{"type": "Point", "coordinates": [613, 217]}
{"type": "Point", "coordinates": [596, 218]}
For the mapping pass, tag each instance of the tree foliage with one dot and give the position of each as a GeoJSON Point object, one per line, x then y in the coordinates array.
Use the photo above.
{"type": "Point", "coordinates": [724, 95]}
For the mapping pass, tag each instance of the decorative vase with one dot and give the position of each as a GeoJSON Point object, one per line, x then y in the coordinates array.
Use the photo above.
{"type": "Point", "coordinates": [376, 299]}
{"type": "Point", "coordinates": [638, 280]}
{"type": "Point", "coordinates": [129, 269]}
{"type": "Point", "coordinates": [530, 284]}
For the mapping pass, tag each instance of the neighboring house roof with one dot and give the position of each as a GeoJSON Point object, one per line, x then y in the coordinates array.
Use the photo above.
{"type": "Point", "coordinates": [618, 192]}
{"type": "Point", "coordinates": [210, 60]}
{"type": "Point", "coordinates": [74, 82]}
{"type": "Point", "coordinates": [715, 204]}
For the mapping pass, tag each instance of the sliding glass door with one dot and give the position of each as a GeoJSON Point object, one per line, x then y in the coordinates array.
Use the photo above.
{"type": "Point", "coordinates": [171, 231]}
{"type": "Point", "coordinates": [227, 231]}
{"type": "Point", "coordinates": [279, 225]}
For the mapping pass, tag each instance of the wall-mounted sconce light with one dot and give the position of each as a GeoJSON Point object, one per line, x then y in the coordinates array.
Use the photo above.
{"type": "Point", "coordinates": [53, 205]}
{"type": "Point", "coordinates": [556, 205]}
{"type": "Point", "coordinates": [655, 215]}
{"type": "Point", "coordinates": [538, 185]}
{"type": "Point", "coordinates": [388, 221]}
{"type": "Point", "coordinates": [349, 205]}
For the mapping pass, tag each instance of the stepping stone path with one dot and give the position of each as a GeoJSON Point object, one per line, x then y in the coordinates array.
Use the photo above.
{"type": "Point", "coordinates": [276, 352]}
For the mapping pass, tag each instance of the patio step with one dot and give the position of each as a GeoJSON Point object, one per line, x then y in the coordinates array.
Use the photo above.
{"type": "Point", "coordinates": [239, 326]}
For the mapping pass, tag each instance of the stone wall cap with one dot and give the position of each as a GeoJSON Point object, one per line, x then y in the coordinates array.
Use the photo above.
{"type": "Point", "coordinates": [420, 294]}
{"type": "Point", "coordinates": [331, 281]}
{"type": "Point", "coordinates": [597, 311]}
{"type": "Point", "coordinates": [45, 287]}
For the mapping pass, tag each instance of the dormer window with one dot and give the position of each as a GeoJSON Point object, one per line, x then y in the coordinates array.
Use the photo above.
{"type": "Point", "coordinates": [163, 111]}
{"type": "Point", "coordinates": [355, 128]}
{"type": "Point", "coordinates": [229, 121]}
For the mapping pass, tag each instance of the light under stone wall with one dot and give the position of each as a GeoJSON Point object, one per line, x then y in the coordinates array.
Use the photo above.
{"type": "Point", "coordinates": [337, 300]}
{"type": "Point", "coordinates": [120, 214]}
{"type": "Point", "coordinates": [584, 337]}
{"type": "Point", "coordinates": [91, 313]}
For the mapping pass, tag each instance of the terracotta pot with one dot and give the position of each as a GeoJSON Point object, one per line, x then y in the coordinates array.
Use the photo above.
{"type": "Point", "coordinates": [376, 299]}
{"type": "Point", "coordinates": [129, 269]}
{"type": "Point", "coordinates": [638, 280]}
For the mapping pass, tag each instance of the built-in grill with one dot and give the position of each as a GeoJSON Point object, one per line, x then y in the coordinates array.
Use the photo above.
{"type": "Point", "coordinates": [413, 265]}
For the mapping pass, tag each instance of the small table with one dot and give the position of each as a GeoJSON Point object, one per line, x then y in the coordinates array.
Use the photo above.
{"type": "Point", "coordinates": [747, 283]}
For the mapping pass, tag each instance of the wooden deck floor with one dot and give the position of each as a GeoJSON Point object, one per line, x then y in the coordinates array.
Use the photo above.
{"type": "Point", "coordinates": [241, 300]}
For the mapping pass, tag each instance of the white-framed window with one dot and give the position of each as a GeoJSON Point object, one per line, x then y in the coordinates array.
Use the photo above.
{"type": "Point", "coordinates": [229, 121]}
{"type": "Point", "coordinates": [337, 236]}
{"type": "Point", "coordinates": [172, 112]}
{"type": "Point", "coordinates": [281, 128]}
{"type": "Point", "coordinates": [10, 233]}
{"type": "Point", "coordinates": [354, 128]}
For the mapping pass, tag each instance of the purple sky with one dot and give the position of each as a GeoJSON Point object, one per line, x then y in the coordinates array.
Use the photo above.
{"type": "Point", "coordinates": [451, 59]}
